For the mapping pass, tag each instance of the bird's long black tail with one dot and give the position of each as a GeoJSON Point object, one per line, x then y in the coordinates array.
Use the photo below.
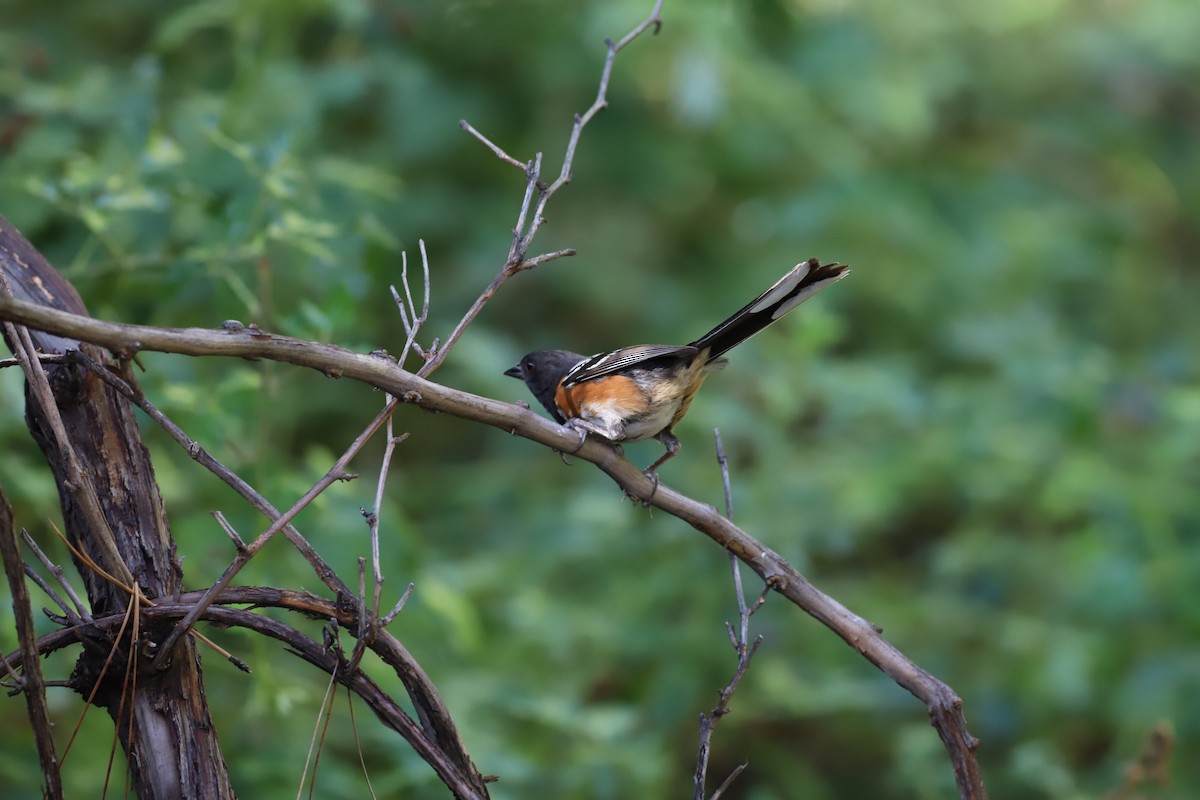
{"type": "Point", "coordinates": [804, 280]}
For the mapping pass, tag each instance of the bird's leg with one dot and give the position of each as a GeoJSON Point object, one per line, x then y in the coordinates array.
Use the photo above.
{"type": "Point", "coordinates": [671, 442]}
{"type": "Point", "coordinates": [612, 432]}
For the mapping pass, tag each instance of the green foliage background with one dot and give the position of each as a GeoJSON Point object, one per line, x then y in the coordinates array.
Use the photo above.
{"type": "Point", "coordinates": [985, 441]}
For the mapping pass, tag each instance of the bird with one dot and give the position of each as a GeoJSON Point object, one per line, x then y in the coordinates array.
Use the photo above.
{"type": "Point", "coordinates": [641, 392]}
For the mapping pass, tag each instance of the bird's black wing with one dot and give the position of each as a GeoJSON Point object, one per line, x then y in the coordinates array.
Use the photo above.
{"type": "Point", "coordinates": [615, 361]}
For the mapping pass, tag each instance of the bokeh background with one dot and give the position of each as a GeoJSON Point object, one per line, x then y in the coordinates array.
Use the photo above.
{"type": "Point", "coordinates": [987, 440]}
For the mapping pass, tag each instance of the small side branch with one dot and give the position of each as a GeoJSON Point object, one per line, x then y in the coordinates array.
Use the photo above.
{"type": "Point", "coordinates": [369, 623]}
{"type": "Point", "coordinates": [742, 646]}
{"type": "Point", "coordinates": [45, 358]}
{"type": "Point", "coordinates": [530, 263]}
{"type": "Point", "coordinates": [59, 574]}
{"type": "Point", "coordinates": [495, 148]}
{"type": "Point", "coordinates": [408, 309]}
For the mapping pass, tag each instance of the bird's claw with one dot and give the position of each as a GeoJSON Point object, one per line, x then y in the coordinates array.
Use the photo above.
{"type": "Point", "coordinates": [582, 441]}
{"type": "Point", "coordinates": [653, 476]}
{"type": "Point", "coordinates": [645, 501]}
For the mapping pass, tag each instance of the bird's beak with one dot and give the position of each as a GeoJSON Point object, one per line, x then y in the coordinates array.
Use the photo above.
{"type": "Point", "coordinates": [514, 372]}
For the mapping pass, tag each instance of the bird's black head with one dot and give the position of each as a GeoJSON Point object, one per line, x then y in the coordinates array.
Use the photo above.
{"type": "Point", "coordinates": [542, 371]}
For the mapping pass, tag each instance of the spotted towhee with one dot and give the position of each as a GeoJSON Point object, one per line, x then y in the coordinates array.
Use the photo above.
{"type": "Point", "coordinates": [642, 391]}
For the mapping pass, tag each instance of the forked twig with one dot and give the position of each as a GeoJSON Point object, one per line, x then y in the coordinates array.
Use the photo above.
{"type": "Point", "coordinates": [59, 574]}
{"type": "Point", "coordinates": [529, 224]}
{"type": "Point", "coordinates": [742, 646]}
{"type": "Point", "coordinates": [408, 315]}
{"type": "Point", "coordinates": [69, 616]}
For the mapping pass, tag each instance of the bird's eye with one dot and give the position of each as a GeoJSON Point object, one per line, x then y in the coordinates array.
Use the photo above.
{"type": "Point", "coordinates": [528, 365]}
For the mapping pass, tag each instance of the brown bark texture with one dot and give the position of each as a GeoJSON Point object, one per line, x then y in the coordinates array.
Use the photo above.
{"type": "Point", "coordinates": [164, 726]}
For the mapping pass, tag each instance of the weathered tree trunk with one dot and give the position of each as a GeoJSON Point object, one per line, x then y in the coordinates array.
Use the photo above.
{"type": "Point", "coordinates": [171, 744]}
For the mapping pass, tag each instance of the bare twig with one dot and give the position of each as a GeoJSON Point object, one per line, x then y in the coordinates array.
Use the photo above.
{"type": "Point", "coordinates": [69, 614]}
{"type": "Point", "coordinates": [533, 180]}
{"type": "Point", "coordinates": [741, 644]}
{"type": "Point", "coordinates": [723, 464]}
{"type": "Point", "coordinates": [500, 154]}
{"type": "Point", "coordinates": [728, 781]}
{"type": "Point", "coordinates": [30, 681]}
{"type": "Point", "coordinates": [368, 623]}
{"type": "Point", "coordinates": [367, 627]}
{"type": "Point", "coordinates": [408, 315]}
{"type": "Point", "coordinates": [45, 358]}
{"type": "Point", "coordinates": [59, 575]}
{"type": "Point", "coordinates": [510, 268]}
{"type": "Point", "coordinates": [396, 609]}
{"type": "Point", "coordinates": [373, 519]}
{"type": "Point", "coordinates": [230, 531]}
{"type": "Point", "coordinates": [544, 257]}
{"type": "Point", "coordinates": [601, 101]}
